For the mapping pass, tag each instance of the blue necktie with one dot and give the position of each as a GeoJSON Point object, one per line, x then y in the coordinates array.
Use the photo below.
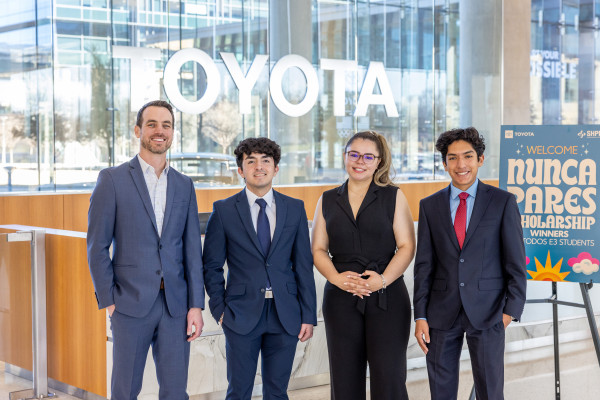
{"type": "Point", "coordinates": [262, 227]}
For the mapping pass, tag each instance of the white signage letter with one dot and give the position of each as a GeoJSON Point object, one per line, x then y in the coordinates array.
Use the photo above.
{"type": "Point", "coordinates": [144, 85]}
{"type": "Point", "coordinates": [244, 83]}
{"type": "Point", "coordinates": [339, 68]}
{"type": "Point", "coordinates": [376, 74]}
{"type": "Point", "coordinates": [213, 81]}
{"type": "Point", "coordinates": [312, 85]}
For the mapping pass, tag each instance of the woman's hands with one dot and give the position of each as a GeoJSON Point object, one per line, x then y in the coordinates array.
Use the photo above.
{"type": "Point", "coordinates": [374, 282]}
{"type": "Point", "coordinates": [353, 282]}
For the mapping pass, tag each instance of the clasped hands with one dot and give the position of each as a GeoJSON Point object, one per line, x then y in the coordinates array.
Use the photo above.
{"type": "Point", "coordinates": [360, 285]}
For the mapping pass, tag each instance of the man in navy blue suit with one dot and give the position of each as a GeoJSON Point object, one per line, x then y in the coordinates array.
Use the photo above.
{"type": "Point", "coordinates": [269, 302]}
{"type": "Point", "coordinates": [152, 286]}
{"type": "Point", "coordinates": [470, 276]}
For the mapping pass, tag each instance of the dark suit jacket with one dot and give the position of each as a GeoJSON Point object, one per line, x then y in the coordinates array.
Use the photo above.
{"type": "Point", "coordinates": [121, 214]}
{"type": "Point", "coordinates": [231, 237]}
{"type": "Point", "coordinates": [487, 277]}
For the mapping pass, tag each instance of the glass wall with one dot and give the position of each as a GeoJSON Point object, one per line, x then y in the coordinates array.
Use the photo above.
{"type": "Point", "coordinates": [74, 72]}
{"type": "Point", "coordinates": [565, 61]}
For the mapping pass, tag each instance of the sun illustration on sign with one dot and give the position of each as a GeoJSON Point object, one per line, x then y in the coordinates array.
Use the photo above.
{"type": "Point", "coordinates": [548, 272]}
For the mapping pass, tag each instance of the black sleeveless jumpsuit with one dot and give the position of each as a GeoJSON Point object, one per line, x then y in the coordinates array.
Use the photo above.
{"type": "Point", "coordinates": [374, 330]}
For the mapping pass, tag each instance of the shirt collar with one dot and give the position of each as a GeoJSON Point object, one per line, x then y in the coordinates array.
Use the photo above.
{"type": "Point", "coordinates": [472, 190]}
{"type": "Point", "coordinates": [145, 166]}
{"type": "Point", "coordinates": [267, 197]}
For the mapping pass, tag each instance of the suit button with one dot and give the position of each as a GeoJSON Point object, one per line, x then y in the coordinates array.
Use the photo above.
{"type": "Point", "coordinates": [160, 247]}
{"type": "Point", "coordinates": [267, 265]}
{"type": "Point", "coordinates": [462, 260]}
{"type": "Point", "coordinates": [262, 290]}
{"type": "Point", "coordinates": [462, 284]}
{"type": "Point", "coordinates": [158, 272]}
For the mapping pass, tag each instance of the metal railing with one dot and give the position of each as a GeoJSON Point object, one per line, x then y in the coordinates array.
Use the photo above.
{"type": "Point", "coordinates": [37, 240]}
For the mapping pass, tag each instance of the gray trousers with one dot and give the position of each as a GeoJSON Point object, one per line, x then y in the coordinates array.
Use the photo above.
{"type": "Point", "coordinates": [132, 337]}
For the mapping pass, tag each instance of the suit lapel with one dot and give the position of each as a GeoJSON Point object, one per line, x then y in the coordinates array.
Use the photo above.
{"type": "Point", "coordinates": [281, 214]}
{"type": "Point", "coordinates": [344, 203]}
{"type": "Point", "coordinates": [138, 178]}
{"type": "Point", "coordinates": [445, 218]}
{"type": "Point", "coordinates": [482, 200]}
{"type": "Point", "coordinates": [170, 197]}
{"type": "Point", "coordinates": [246, 218]}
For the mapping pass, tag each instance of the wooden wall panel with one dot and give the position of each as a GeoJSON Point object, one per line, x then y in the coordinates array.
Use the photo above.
{"type": "Point", "coordinates": [76, 328]}
{"type": "Point", "coordinates": [75, 211]}
{"type": "Point", "coordinates": [414, 192]}
{"type": "Point", "coordinates": [33, 210]}
{"type": "Point", "coordinates": [15, 302]}
{"type": "Point", "coordinates": [69, 211]}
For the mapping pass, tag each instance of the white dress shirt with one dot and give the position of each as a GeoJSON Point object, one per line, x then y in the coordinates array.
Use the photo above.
{"type": "Point", "coordinates": [255, 208]}
{"type": "Point", "coordinates": [157, 188]}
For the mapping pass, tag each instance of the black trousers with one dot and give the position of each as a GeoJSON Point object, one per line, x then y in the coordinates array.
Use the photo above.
{"type": "Point", "coordinates": [378, 337]}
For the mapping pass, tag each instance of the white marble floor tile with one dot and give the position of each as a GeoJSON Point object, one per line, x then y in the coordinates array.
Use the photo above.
{"type": "Point", "coordinates": [530, 375]}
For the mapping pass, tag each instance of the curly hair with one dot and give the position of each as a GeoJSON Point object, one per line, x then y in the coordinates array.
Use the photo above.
{"type": "Point", "coordinates": [261, 145]}
{"type": "Point", "coordinates": [382, 176]}
{"type": "Point", "coordinates": [154, 103]}
{"type": "Point", "coordinates": [470, 135]}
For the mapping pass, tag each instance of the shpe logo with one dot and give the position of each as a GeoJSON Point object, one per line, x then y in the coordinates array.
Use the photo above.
{"type": "Point", "coordinates": [508, 134]}
{"type": "Point", "coordinates": [588, 134]}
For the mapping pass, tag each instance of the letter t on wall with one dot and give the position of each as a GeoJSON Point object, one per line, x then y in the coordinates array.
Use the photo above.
{"type": "Point", "coordinates": [339, 68]}
{"type": "Point", "coordinates": [143, 83]}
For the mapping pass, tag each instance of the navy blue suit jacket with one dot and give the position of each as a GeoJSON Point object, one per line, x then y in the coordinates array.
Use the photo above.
{"type": "Point", "coordinates": [121, 214]}
{"type": "Point", "coordinates": [487, 277]}
{"type": "Point", "coordinates": [230, 236]}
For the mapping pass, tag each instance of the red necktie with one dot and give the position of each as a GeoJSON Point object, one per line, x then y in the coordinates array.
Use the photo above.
{"type": "Point", "coordinates": [460, 219]}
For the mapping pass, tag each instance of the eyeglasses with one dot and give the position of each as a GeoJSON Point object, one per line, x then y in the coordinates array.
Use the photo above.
{"type": "Point", "coordinates": [355, 156]}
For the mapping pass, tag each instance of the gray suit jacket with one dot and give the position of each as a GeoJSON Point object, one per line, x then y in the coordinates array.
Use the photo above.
{"type": "Point", "coordinates": [121, 214]}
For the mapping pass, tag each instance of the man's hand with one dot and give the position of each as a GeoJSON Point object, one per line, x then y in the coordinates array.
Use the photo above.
{"type": "Point", "coordinates": [422, 334]}
{"type": "Point", "coordinates": [194, 319]}
{"type": "Point", "coordinates": [306, 332]}
{"type": "Point", "coordinates": [506, 319]}
{"type": "Point", "coordinates": [111, 310]}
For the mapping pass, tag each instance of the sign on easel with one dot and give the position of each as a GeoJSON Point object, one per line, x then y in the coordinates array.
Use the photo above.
{"type": "Point", "coordinates": [552, 171]}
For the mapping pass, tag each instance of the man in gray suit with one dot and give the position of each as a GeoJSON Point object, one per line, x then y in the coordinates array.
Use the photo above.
{"type": "Point", "coordinates": [153, 285]}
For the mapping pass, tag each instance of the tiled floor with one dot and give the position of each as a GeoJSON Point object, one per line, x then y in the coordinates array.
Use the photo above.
{"type": "Point", "coordinates": [531, 380]}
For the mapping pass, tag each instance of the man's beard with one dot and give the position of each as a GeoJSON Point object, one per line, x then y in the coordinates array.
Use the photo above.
{"type": "Point", "coordinates": [148, 145]}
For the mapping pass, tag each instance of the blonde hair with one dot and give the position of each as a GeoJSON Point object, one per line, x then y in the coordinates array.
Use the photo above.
{"type": "Point", "coordinates": [382, 176]}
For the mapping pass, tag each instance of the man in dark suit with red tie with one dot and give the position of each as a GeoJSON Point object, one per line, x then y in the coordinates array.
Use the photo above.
{"type": "Point", "coordinates": [470, 276]}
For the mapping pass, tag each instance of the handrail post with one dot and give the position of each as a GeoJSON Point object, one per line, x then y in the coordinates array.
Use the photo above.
{"type": "Point", "coordinates": [38, 305]}
{"type": "Point", "coordinates": [37, 240]}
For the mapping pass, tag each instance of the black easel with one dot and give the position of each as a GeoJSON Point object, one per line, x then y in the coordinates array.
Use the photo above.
{"type": "Point", "coordinates": [585, 288]}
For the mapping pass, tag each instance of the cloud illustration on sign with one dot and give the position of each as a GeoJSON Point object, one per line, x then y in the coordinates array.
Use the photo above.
{"type": "Point", "coordinates": [584, 263]}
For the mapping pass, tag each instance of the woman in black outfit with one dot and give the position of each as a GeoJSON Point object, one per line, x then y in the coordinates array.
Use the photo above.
{"type": "Point", "coordinates": [366, 227]}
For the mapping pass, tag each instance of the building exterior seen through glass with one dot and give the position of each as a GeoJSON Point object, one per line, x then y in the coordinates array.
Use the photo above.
{"type": "Point", "coordinates": [73, 74]}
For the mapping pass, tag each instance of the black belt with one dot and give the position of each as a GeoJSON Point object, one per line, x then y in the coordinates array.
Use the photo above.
{"type": "Point", "coordinates": [367, 265]}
